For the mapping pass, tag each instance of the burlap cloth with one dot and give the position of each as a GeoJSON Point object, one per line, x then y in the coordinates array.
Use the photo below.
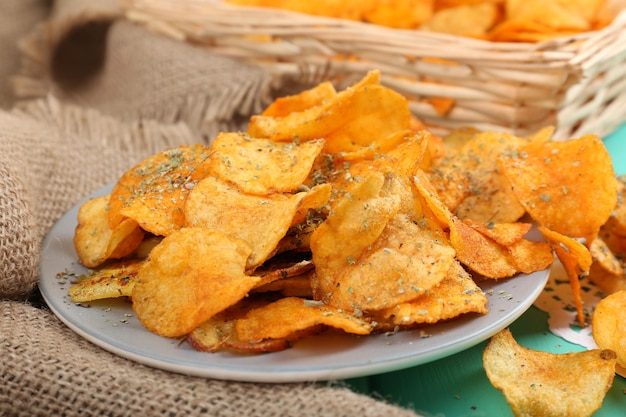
{"type": "Point", "coordinates": [84, 96]}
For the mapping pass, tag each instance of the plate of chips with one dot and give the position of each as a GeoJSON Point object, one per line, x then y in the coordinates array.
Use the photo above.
{"type": "Point", "coordinates": [112, 325]}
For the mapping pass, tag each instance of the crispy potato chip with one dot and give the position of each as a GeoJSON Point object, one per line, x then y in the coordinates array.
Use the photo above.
{"type": "Point", "coordinates": [489, 198]}
{"type": "Point", "coordinates": [316, 96]}
{"type": "Point", "coordinates": [456, 294]}
{"type": "Point", "coordinates": [154, 191]}
{"type": "Point", "coordinates": [112, 281]}
{"type": "Point", "coordinates": [553, 180]}
{"type": "Point", "coordinates": [608, 325]}
{"type": "Point", "coordinates": [193, 274]}
{"type": "Point", "coordinates": [369, 256]}
{"type": "Point", "coordinates": [505, 234]}
{"type": "Point", "coordinates": [473, 20]}
{"type": "Point", "coordinates": [261, 166]}
{"type": "Point", "coordinates": [293, 286]}
{"type": "Point", "coordinates": [537, 383]}
{"type": "Point", "coordinates": [95, 241]}
{"type": "Point", "coordinates": [262, 221]}
{"type": "Point", "coordinates": [576, 260]}
{"type": "Point", "coordinates": [290, 315]}
{"type": "Point", "coordinates": [476, 251]}
{"type": "Point", "coordinates": [400, 14]}
{"type": "Point", "coordinates": [528, 256]}
{"type": "Point", "coordinates": [355, 118]}
{"type": "Point", "coordinates": [606, 271]}
{"type": "Point", "coordinates": [218, 333]}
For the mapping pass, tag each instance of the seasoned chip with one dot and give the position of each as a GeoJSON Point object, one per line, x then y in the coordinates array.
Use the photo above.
{"type": "Point", "coordinates": [193, 274]}
{"type": "Point", "coordinates": [95, 241]}
{"type": "Point", "coordinates": [539, 383]}
{"type": "Point", "coordinates": [117, 280]}
{"type": "Point", "coordinates": [369, 255]}
{"type": "Point", "coordinates": [553, 180]}
{"type": "Point", "coordinates": [261, 166]}
{"type": "Point", "coordinates": [290, 315]}
{"type": "Point", "coordinates": [262, 221]}
{"type": "Point", "coordinates": [316, 96]}
{"type": "Point", "coordinates": [154, 191]}
{"type": "Point", "coordinates": [608, 325]}
{"type": "Point", "coordinates": [606, 271]}
{"type": "Point", "coordinates": [504, 233]}
{"type": "Point", "coordinates": [456, 294]}
{"type": "Point", "coordinates": [353, 119]}
{"type": "Point", "coordinates": [528, 256]}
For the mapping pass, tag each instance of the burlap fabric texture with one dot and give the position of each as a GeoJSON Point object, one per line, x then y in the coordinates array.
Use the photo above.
{"type": "Point", "coordinates": [93, 96]}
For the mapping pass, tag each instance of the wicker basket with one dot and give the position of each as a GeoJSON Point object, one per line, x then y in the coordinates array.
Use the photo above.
{"type": "Point", "coordinates": [576, 83]}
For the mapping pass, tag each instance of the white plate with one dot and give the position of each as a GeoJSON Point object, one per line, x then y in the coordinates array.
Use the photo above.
{"type": "Point", "coordinates": [111, 325]}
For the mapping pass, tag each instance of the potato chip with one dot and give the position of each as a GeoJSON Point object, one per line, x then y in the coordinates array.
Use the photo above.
{"type": "Point", "coordinates": [95, 241]}
{"type": "Point", "coordinates": [218, 333]}
{"type": "Point", "coordinates": [608, 325]}
{"type": "Point", "coordinates": [316, 96]}
{"type": "Point", "coordinates": [576, 260]}
{"type": "Point", "coordinates": [261, 166]}
{"type": "Point", "coordinates": [262, 221]}
{"type": "Point", "coordinates": [154, 191]}
{"type": "Point", "coordinates": [400, 14]}
{"type": "Point", "coordinates": [505, 234]}
{"type": "Point", "coordinates": [355, 118]}
{"type": "Point", "coordinates": [553, 180]}
{"type": "Point", "coordinates": [606, 271]}
{"type": "Point", "coordinates": [112, 281]}
{"type": "Point", "coordinates": [476, 251]}
{"type": "Point", "coordinates": [193, 274]}
{"type": "Point", "coordinates": [528, 256]}
{"type": "Point", "coordinates": [537, 383]}
{"type": "Point", "coordinates": [474, 20]}
{"type": "Point", "coordinates": [455, 295]}
{"type": "Point", "coordinates": [370, 256]}
{"type": "Point", "coordinates": [290, 315]}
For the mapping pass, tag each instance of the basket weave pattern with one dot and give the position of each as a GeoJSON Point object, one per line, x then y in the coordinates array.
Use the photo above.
{"type": "Point", "coordinates": [575, 83]}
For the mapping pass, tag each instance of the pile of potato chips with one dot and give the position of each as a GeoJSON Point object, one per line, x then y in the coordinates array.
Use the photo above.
{"type": "Point", "coordinates": [495, 20]}
{"type": "Point", "coordinates": [336, 210]}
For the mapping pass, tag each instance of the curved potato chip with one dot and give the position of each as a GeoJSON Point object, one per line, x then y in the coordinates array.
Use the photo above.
{"type": "Point", "coordinates": [262, 221]}
{"type": "Point", "coordinates": [553, 180]}
{"type": "Point", "coordinates": [193, 274]}
{"type": "Point", "coordinates": [456, 294]}
{"type": "Point", "coordinates": [608, 325]}
{"type": "Point", "coordinates": [261, 166]}
{"type": "Point", "coordinates": [537, 383]}
{"type": "Point", "coordinates": [606, 271]}
{"type": "Point", "coordinates": [290, 315]}
{"type": "Point", "coordinates": [316, 96]}
{"type": "Point", "coordinates": [117, 280]}
{"type": "Point", "coordinates": [95, 241]}
{"type": "Point", "coordinates": [154, 191]}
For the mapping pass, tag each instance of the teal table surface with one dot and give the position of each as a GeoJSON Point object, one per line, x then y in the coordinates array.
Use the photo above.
{"type": "Point", "coordinates": [457, 385]}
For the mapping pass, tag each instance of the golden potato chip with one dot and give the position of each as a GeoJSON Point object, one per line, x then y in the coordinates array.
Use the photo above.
{"type": "Point", "coordinates": [290, 315]}
{"type": "Point", "coordinates": [537, 383]}
{"type": "Point", "coordinates": [316, 96]}
{"type": "Point", "coordinates": [529, 256]}
{"type": "Point", "coordinates": [262, 221]}
{"type": "Point", "coordinates": [400, 14]}
{"type": "Point", "coordinates": [505, 234]}
{"type": "Point", "coordinates": [476, 251]}
{"type": "Point", "coordinates": [193, 274]}
{"type": "Point", "coordinates": [154, 191]}
{"type": "Point", "coordinates": [369, 255]}
{"type": "Point", "coordinates": [293, 286]}
{"type": "Point", "coordinates": [553, 180]}
{"type": "Point", "coordinates": [456, 294]}
{"type": "Point", "coordinates": [112, 281]}
{"type": "Point", "coordinates": [473, 20]}
{"type": "Point", "coordinates": [489, 198]}
{"type": "Point", "coordinates": [261, 166]}
{"type": "Point", "coordinates": [95, 241]}
{"type": "Point", "coordinates": [606, 271]}
{"type": "Point", "coordinates": [218, 332]}
{"type": "Point", "coordinates": [353, 119]}
{"type": "Point", "coordinates": [608, 325]}
{"type": "Point", "coordinates": [576, 260]}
